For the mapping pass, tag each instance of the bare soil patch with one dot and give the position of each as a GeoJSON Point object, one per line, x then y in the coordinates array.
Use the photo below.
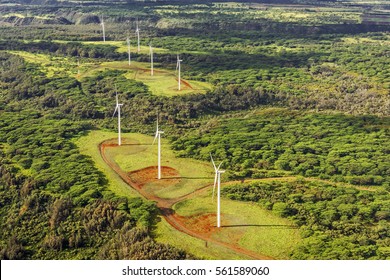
{"type": "Point", "coordinates": [141, 177]}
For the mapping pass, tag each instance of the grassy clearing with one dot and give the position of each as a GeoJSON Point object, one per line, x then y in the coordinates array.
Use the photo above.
{"type": "Point", "coordinates": [248, 225]}
{"type": "Point", "coordinates": [144, 49]}
{"type": "Point", "coordinates": [163, 82]}
{"type": "Point", "coordinates": [50, 65]}
{"type": "Point", "coordinates": [194, 174]}
{"type": "Point", "coordinates": [122, 46]}
{"type": "Point", "coordinates": [245, 224]}
{"type": "Point", "coordinates": [164, 233]}
{"type": "Point", "coordinates": [362, 40]}
{"type": "Point", "coordinates": [89, 145]}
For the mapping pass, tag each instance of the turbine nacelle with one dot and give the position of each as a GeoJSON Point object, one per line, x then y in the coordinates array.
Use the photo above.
{"type": "Point", "coordinates": [118, 109]}
{"type": "Point", "coordinates": [137, 28]}
{"type": "Point", "coordinates": [158, 132]}
{"type": "Point", "coordinates": [218, 173]}
{"type": "Point", "coordinates": [117, 103]}
{"type": "Point", "coordinates": [217, 182]}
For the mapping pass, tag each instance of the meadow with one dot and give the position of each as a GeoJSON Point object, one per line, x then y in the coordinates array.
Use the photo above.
{"type": "Point", "coordinates": [164, 82]}
{"type": "Point", "coordinates": [244, 228]}
{"type": "Point", "coordinates": [243, 224]}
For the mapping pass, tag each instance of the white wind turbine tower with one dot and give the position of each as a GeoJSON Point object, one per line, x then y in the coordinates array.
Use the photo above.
{"type": "Point", "coordinates": [217, 181]}
{"type": "Point", "coordinates": [158, 137]}
{"type": "Point", "coordinates": [118, 108]}
{"type": "Point", "coordinates": [104, 30]}
{"type": "Point", "coordinates": [128, 49]}
{"type": "Point", "coordinates": [137, 32]}
{"type": "Point", "coordinates": [151, 59]}
{"type": "Point", "coordinates": [178, 68]}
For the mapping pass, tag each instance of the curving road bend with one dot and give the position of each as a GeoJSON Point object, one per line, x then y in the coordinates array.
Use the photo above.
{"type": "Point", "coordinates": [165, 206]}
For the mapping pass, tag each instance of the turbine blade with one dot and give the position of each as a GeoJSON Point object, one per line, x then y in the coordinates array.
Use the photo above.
{"type": "Point", "coordinates": [219, 166]}
{"type": "Point", "coordinates": [116, 97]}
{"type": "Point", "coordinates": [155, 137]}
{"type": "Point", "coordinates": [212, 160]}
{"type": "Point", "coordinates": [115, 110]}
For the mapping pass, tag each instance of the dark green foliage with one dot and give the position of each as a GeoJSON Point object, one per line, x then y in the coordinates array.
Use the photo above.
{"type": "Point", "coordinates": [54, 204]}
{"type": "Point", "coordinates": [342, 148]}
{"type": "Point", "coordinates": [135, 244]}
{"type": "Point", "coordinates": [336, 222]}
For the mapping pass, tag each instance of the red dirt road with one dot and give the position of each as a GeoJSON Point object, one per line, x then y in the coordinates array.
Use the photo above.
{"type": "Point", "coordinates": [137, 179]}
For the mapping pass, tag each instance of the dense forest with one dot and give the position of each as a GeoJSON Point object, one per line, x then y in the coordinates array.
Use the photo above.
{"type": "Point", "coordinates": [296, 91]}
{"type": "Point", "coordinates": [54, 203]}
{"type": "Point", "coordinates": [279, 142]}
{"type": "Point", "coordinates": [336, 223]}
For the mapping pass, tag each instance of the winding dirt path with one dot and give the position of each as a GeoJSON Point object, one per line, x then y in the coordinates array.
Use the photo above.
{"type": "Point", "coordinates": [165, 206]}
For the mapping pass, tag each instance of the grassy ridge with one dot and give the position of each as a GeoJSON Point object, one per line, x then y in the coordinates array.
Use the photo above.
{"type": "Point", "coordinates": [163, 82]}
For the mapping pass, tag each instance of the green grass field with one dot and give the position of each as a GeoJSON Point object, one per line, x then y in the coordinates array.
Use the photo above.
{"type": "Point", "coordinates": [165, 233]}
{"type": "Point", "coordinates": [193, 174]}
{"type": "Point", "coordinates": [122, 46]}
{"type": "Point", "coordinates": [89, 145]}
{"type": "Point", "coordinates": [50, 65]}
{"type": "Point", "coordinates": [245, 224]}
{"type": "Point", "coordinates": [163, 82]}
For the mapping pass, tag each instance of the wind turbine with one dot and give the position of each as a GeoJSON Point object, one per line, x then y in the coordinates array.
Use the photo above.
{"type": "Point", "coordinates": [217, 181]}
{"type": "Point", "coordinates": [128, 49]}
{"type": "Point", "coordinates": [151, 59]}
{"type": "Point", "coordinates": [158, 137]}
{"type": "Point", "coordinates": [178, 68]}
{"type": "Point", "coordinates": [118, 108]}
{"type": "Point", "coordinates": [137, 32]}
{"type": "Point", "coordinates": [104, 30]}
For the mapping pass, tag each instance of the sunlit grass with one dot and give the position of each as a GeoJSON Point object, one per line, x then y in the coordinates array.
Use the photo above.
{"type": "Point", "coordinates": [246, 224]}
{"type": "Point", "coordinates": [163, 82]}
{"type": "Point", "coordinates": [89, 145]}
{"type": "Point", "coordinates": [165, 233]}
{"type": "Point", "coordinates": [193, 174]}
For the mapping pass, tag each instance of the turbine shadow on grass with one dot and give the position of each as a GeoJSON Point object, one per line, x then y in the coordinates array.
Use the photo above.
{"type": "Point", "coordinates": [136, 144]}
{"type": "Point", "coordinates": [189, 178]}
{"type": "Point", "coordinates": [253, 225]}
{"type": "Point", "coordinates": [167, 211]}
